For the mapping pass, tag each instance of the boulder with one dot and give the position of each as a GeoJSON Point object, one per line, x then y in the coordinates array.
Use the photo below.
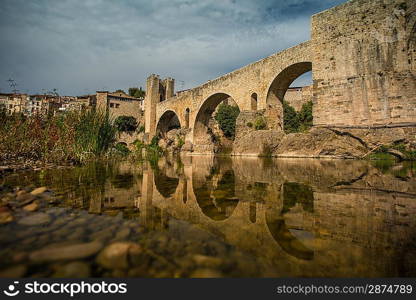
{"type": "Point", "coordinates": [258, 143]}
{"type": "Point", "coordinates": [321, 142]}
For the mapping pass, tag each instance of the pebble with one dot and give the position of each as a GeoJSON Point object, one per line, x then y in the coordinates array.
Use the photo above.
{"type": "Point", "coordinates": [118, 255]}
{"type": "Point", "coordinates": [74, 251]}
{"type": "Point", "coordinates": [38, 191]}
{"type": "Point", "coordinates": [14, 272]}
{"type": "Point", "coordinates": [25, 199]}
{"type": "Point", "coordinates": [35, 219]}
{"type": "Point", "coordinates": [206, 273]}
{"type": "Point", "coordinates": [122, 234]}
{"type": "Point", "coordinates": [207, 261]}
{"type": "Point", "coordinates": [6, 217]}
{"type": "Point", "coordinates": [31, 207]}
{"type": "Point", "coordinates": [75, 269]}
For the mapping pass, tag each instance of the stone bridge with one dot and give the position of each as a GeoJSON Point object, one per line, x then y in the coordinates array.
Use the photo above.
{"type": "Point", "coordinates": [362, 55]}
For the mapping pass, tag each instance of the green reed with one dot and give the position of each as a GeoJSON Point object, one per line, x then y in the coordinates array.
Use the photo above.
{"type": "Point", "coordinates": [68, 137]}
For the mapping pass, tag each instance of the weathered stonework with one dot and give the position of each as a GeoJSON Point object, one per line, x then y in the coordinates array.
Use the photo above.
{"type": "Point", "coordinates": [120, 104]}
{"type": "Point", "coordinates": [298, 96]}
{"type": "Point", "coordinates": [363, 62]}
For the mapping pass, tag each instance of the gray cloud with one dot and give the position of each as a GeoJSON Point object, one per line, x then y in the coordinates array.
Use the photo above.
{"type": "Point", "coordinates": [87, 45]}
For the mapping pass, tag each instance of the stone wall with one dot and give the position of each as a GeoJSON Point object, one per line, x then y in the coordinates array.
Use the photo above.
{"type": "Point", "coordinates": [364, 64]}
{"type": "Point", "coordinates": [298, 96]}
{"type": "Point", "coordinates": [118, 107]}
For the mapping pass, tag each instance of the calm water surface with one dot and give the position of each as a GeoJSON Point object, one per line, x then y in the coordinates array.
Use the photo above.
{"type": "Point", "coordinates": [255, 217]}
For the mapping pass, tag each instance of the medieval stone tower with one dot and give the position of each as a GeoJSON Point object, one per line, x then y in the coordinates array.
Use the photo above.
{"type": "Point", "coordinates": [157, 90]}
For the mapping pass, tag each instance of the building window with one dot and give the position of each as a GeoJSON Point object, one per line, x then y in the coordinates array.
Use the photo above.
{"type": "Point", "coordinates": [117, 105]}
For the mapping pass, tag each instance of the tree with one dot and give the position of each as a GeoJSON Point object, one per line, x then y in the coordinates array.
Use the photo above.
{"type": "Point", "coordinates": [137, 92]}
{"type": "Point", "coordinates": [126, 123]}
{"type": "Point", "coordinates": [120, 91]}
{"type": "Point", "coordinates": [226, 118]}
{"type": "Point", "coordinates": [290, 118]}
{"type": "Point", "coordinates": [305, 116]}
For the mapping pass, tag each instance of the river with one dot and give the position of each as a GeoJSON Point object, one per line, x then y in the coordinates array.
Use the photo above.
{"type": "Point", "coordinates": [204, 216]}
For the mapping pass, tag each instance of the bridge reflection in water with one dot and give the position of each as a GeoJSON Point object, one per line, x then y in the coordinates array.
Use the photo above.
{"type": "Point", "coordinates": [298, 217]}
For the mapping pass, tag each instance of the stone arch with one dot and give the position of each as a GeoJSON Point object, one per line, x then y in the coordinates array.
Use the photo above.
{"type": "Point", "coordinates": [165, 184]}
{"type": "Point", "coordinates": [168, 121]}
{"type": "Point", "coordinates": [254, 101]}
{"type": "Point", "coordinates": [216, 195]}
{"type": "Point", "coordinates": [278, 88]}
{"type": "Point", "coordinates": [201, 130]}
{"type": "Point", "coordinates": [284, 79]}
{"type": "Point", "coordinates": [292, 193]}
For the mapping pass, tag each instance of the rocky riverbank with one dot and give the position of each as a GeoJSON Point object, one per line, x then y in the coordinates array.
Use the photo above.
{"type": "Point", "coordinates": [40, 237]}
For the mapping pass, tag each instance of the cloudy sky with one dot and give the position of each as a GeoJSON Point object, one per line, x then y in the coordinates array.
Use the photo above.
{"type": "Point", "coordinates": [80, 46]}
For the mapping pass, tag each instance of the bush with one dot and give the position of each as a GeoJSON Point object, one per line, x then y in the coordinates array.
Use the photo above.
{"type": "Point", "coordinates": [297, 121]}
{"type": "Point", "coordinates": [122, 149]}
{"type": "Point", "coordinates": [250, 125]}
{"type": "Point", "coordinates": [226, 118]}
{"type": "Point", "coordinates": [260, 123]}
{"type": "Point", "coordinates": [126, 123]}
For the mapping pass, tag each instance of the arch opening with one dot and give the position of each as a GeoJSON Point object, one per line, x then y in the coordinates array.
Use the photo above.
{"type": "Point", "coordinates": [167, 122]}
{"type": "Point", "coordinates": [282, 93]}
{"type": "Point", "coordinates": [290, 238]}
{"type": "Point", "coordinates": [254, 101]}
{"type": "Point", "coordinates": [187, 112]}
{"type": "Point", "coordinates": [216, 195]}
{"type": "Point", "coordinates": [210, 136]}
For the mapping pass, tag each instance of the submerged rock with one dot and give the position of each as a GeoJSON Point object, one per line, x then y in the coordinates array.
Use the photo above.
{"type": "Point", "coordinates": [31, 207]}
{"type": "Point", "coordinates": [74, 251]}
{"type": "Point", "coordinates": [14, 272]}
{"type": "Point", "coordinates": [75, 269]}
{"type": "Point", "coordinates": [35, 219]}
{"type": "Point", "coordinates": [6, 217]}
{"type": "Point", "coordinates": [119, 255]}
{"type": "Point", "coordinates": [38, 191]}
{"type": "Point", "coordinates": [206, 273]}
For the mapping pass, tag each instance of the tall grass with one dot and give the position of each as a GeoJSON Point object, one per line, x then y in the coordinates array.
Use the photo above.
{"type": "Point", "coordinates": [74, 136]}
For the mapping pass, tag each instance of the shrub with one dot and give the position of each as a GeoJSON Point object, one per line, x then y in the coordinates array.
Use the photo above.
{"type": "Point", "coordinates": [181, 142]}
{"type": "Point", "coordinates": [250, 125]}
{"type": "Point", "coordinates": [226, 118]}
{"type": "Point", "coordinates": [126, 123]}
{"type": "Point", "coordinates": [297, 121]}
{"type": "Point", "coordinates": [290, 118]}
{"type": "Point", "coordinates": [141, 129]}
{"type": "Point", "coordinates": [260, 123]}
{"type": "Point", "coordinates": [305, 117]}
{"type": "Point", "coordinates": [122, 149]}
{"type": "Point", "coordinates": [75, 136]}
